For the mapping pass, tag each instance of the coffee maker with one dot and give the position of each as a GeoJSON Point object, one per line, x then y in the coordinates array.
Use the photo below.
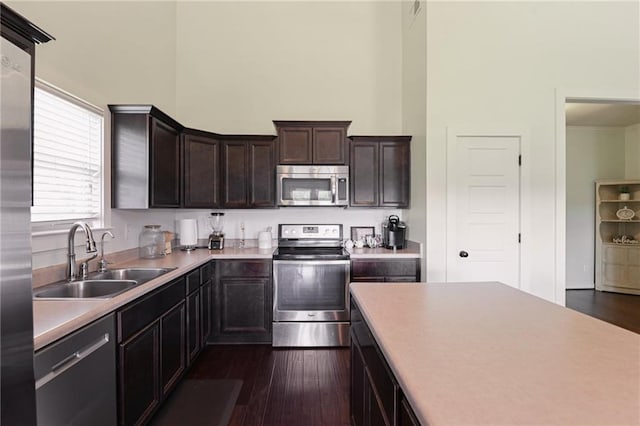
{"type": "Point", "coordinates": [394, 233]}
{"type": "Point", "coordinates": [216, 238]}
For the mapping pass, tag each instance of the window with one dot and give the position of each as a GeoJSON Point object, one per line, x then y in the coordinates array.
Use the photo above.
{"type": "Point", "coordinates": [67, 159]}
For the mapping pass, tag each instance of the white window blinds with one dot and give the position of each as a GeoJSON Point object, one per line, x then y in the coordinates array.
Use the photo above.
{"type": "Point", "coordinates": [67, 157]}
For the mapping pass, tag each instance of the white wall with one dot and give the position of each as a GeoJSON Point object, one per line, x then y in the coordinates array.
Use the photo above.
{"type": "Point", "coordinates": [229, 67]}
{"type": "Point", "coordinates": [243, 64]}
{"type": "Point", "coordinates": [414, 114]}
{"type": "Point", "coordinates": [108, 52]}
{"type": "Point", "coordinates": [498, 64]}
{"type": "Point", "coordinates": [632, 144]}
{"type": "Point", "coordinates": [592, 153]}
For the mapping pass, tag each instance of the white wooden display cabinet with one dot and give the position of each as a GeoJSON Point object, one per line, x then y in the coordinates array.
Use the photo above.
{"type": "Point", "coordinates": [617, 264]}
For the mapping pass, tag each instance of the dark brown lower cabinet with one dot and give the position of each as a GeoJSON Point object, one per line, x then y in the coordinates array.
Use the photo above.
{"type": "Point", "coordinates": [389, 270]}
{"type": "Point", "coordinates": [193, 325]}
{"type": "Point", "coordinates": [407, 417]}
{"type": "Point", "coordinates": [139, 364]}
{"type": "Point", "coordinates": [151, 354]}
{"type": "Point", "coordinates": [198, 304]}
{"type": "Point", "coordinates": [358, 385]}
{"type": "Point", "coordinates": [242, 302]}
{"type": "Point", "coordinates": [205, 312]}
{"type": "Point", "coordinates": [376, 397]}
{"type": "Point", "coordinates": [172, 343]}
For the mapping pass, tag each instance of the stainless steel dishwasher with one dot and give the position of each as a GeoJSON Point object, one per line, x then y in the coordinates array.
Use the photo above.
{"type": "Point", "coordinates": [76, 377]}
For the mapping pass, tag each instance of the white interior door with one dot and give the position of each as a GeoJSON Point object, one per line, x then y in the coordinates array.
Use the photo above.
{"type": "Point", "coordinates": [483, 208]}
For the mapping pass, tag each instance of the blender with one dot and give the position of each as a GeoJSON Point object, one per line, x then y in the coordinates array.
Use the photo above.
{"type": "Point", "coordinates": [216, 238]}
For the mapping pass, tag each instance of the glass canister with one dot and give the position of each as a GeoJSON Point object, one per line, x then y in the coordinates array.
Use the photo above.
{"type": "Point", "coordinates": [151, 242]}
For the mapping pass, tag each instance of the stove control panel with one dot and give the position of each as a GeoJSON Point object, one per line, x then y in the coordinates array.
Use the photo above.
{"type": "Point", "coordinates": [333, 231]}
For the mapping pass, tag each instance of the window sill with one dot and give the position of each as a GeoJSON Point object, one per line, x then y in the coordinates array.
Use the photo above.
{"type": "Point", "coordinates": [44, 231]}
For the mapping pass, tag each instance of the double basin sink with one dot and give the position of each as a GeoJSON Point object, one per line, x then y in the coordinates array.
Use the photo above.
{"type": "Point", "coordinates": [100, 285]}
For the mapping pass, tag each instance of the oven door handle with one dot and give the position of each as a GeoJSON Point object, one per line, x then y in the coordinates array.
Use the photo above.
{"type": "Point", "coordinates": [313, 262]}
{"type": "Point", "coordinates": [333, 189]}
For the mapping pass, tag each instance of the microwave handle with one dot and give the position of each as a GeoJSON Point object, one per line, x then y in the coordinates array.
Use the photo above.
{"type": "Point", "coordinates": [333, 189]}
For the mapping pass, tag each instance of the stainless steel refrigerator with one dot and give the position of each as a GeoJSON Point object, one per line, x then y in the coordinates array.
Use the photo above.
{"type": "Point", "coordinates": [17, 390]}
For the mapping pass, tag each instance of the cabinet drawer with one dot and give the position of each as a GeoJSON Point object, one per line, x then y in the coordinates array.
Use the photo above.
{"type": "Point", "coordinates": [193, 281]}
{"type": "Point", "coordinates": [615, 255]}
{"type": "Point", "coordinates": [244, 268]}
{"type": "Point", "coordinates": [383, 268]}
{"type": "Point", "coordinates": [139, 314]}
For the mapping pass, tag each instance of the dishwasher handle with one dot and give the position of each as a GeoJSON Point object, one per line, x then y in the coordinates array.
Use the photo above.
{"type": "Point", "coordinates": [72, 360]}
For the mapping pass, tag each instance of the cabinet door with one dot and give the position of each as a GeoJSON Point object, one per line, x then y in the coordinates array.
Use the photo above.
{"type": "Point", "coordinates": [407, 416]}
{"type": "Point", "coordinates": [374, 412]}
{"type": "Point", "coordinates": [172, 344]}
{"type": "Point", "coordinates": [139, 380]}
{"type": "Point", "coordinates": [262, 185]}
{"type": "Point", "coordinates": [243, 310]}
{"type": "Point", "coordinates": [200, 172]}
{"type": "Point", "coordinates": [235, 168]}
{"type": "Point", "coordinates": [193, 326]}
{"type": "Point", "coordinates": [364, 174]}
{"type": "Point", "coordinates": [357, 385]}
{"type": "Point", "coordinates": [395, 174]}
{"type": "Point", "coordinates": [295, 145]}
{"type": "Point", "coordinates": [329, 145]}
{"type": "Point", "coordinates": [165, 165]}
{"type": "Point", "coordinates": [205, 313]}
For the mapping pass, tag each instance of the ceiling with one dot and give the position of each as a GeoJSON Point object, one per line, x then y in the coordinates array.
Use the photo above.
{"type": "Point", "coordinates": [605, 115]}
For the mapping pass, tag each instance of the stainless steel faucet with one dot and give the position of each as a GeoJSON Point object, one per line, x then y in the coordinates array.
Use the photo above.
{"type": "Point", "coordinates": [72, 268]}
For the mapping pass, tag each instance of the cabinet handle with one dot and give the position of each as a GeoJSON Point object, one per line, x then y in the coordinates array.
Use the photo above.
{"type": "Point", "coordinates": [463, 254]}
{"type": "Point", "coordinates": [72, 360]}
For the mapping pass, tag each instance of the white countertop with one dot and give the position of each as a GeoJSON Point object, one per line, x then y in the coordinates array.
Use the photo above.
{"type": "Point", "coordinates": [485, 353]}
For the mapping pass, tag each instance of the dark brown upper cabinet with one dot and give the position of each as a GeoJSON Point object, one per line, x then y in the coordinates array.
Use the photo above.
{"type": "Point", "coordinates": [312, 142]}
{"type": "Point", "coordinates": [248, 165]}
{"type": "Point", "coordinates": [201, 169]}
{"type": "Point", "coordinates": [380, 171]}
{"type": "Point", "coordinates": [145, 152]}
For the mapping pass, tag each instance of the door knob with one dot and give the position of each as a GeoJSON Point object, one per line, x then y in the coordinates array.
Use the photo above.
{"type": "Point", "coordinates": [463, 253]}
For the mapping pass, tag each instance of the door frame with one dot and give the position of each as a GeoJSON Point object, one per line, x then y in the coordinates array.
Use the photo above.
{"type": "Point", "coordinates": [452, 133]}
{"type": "Point", "coordinates": [564, 95]}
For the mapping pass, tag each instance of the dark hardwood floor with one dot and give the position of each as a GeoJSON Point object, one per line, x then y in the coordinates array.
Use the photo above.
{"type": "Point", "coordinates": [622, 310]}
{"type": "Point", "coordinates": [282, 386]}
{"type": "Point", "coordinates": [310, 387]}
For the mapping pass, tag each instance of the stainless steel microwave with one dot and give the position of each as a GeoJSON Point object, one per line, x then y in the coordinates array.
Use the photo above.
{"type": "Point", "coordinates": [313, 185]}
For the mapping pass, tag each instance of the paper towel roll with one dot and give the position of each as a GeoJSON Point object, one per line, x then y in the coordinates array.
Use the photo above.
{"type": "Point", "coordinates": [264, 240]}
{"type": "Point", "coordinates": [188, 230]}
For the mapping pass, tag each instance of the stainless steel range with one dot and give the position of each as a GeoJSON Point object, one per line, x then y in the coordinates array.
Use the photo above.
{"type": "Point", "coordinates": [311, 287]}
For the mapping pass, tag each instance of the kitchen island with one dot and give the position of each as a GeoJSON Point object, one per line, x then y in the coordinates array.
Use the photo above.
{"type": "Point", "coordinates": [485, 353]}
